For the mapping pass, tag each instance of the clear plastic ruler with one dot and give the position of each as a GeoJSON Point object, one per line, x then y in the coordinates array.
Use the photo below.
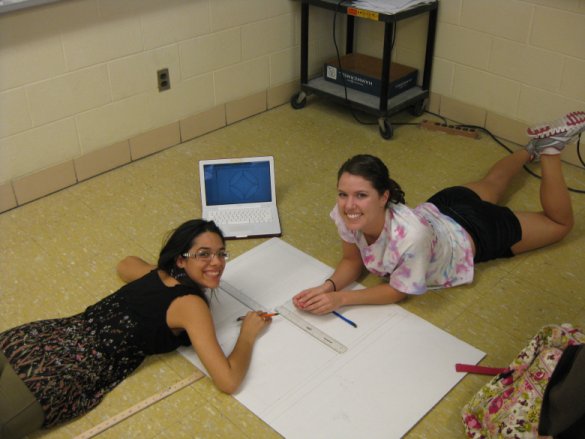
{"type": "Point", "coordinates": [116, 419]}
{"type": "Point", "coordinates": [287, 314]}
{"type": "Point", "coordinates": [310, 329]}
{"type": "Point", "coordinates": [240, 296]}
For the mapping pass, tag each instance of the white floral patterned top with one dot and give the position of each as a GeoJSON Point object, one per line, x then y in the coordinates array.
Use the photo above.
{"type": "Point", "coordinates": [418, 249]}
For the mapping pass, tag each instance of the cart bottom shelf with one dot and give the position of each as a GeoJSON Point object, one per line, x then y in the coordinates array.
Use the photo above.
{"type": "Point", "coordinates": [411, 98]}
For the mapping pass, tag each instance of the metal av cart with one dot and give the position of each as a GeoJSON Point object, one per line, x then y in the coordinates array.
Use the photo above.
{"type": "Point", "coordinates": [414, 99]}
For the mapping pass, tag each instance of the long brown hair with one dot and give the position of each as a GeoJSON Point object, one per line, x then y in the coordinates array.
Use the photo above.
{"type": "Point", "coordinates": [374, 170]}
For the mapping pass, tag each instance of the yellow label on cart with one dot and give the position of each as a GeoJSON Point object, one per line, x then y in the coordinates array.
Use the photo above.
{"type": "Point", "coordinates": [371, 15]}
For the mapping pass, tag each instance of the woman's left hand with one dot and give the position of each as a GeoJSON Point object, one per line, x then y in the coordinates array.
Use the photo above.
{"type": "Point", "coordinates": [316, 302]}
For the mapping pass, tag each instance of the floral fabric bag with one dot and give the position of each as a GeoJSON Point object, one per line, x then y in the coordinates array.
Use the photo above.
{"type": "Point", "coordinates": [509, 405]}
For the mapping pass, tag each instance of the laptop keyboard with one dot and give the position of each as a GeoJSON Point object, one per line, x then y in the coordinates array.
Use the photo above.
{"type": "Point", "coordinates": [241, 216]}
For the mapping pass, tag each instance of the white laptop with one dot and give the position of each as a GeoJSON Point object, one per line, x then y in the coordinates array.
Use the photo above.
{"type": "Point", "coordinates": [239, 195]}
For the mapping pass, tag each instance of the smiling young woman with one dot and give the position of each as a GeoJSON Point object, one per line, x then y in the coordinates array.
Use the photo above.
{"type": "Point", "coordinates": [361, 206]}
{"type": "Point", "coordinates": [436, 244]}
{"type": "Point", "coordinates": [54, 370]}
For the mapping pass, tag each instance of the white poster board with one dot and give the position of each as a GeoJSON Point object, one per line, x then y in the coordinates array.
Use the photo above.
{"type": "Point", "coordinates": [396, 368]}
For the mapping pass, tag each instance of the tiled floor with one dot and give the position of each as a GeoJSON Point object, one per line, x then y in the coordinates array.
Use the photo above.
{"type": "Point", "coordinates": [58, 255]}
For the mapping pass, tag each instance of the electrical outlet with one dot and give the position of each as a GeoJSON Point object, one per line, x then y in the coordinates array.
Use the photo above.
{"type": "Point", "coordinates": [163, 79]}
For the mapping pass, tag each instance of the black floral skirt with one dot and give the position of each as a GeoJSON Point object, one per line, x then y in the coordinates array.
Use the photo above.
{"type": "Point", "coordinates": [61, 362]}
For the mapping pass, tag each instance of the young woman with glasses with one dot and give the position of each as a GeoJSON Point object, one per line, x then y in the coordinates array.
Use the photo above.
{"type": "Point", "coordinates": [54, 370]}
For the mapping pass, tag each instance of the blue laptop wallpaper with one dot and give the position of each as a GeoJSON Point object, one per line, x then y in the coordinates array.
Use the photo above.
{"type": "Point", "coordinates": [237, 183]}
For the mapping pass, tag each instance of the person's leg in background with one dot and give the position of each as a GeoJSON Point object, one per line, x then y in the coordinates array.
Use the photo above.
{"type": "Point", "coordinates": [20, 412]}
{"type": "Point", "coordinates": [555, 220]}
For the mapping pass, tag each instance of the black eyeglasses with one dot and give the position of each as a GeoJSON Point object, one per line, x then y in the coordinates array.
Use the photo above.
{"type": "Point", "coordinates": [207, 255]}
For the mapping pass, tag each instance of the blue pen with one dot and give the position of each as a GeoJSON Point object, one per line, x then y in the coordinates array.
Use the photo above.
{"type": "Point", "coordinates": [345, 319]}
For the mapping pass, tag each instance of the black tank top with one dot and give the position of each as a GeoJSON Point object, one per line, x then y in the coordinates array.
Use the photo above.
{"type": "Point", "coordinates": [136, 315]}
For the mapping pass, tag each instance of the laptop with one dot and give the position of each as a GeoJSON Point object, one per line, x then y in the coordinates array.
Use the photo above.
{"type": "Point", "coordinates": [239, 195]}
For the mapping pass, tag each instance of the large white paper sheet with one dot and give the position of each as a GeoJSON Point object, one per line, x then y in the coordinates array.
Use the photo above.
{"type": "Point", "coordinates": [396, 368]}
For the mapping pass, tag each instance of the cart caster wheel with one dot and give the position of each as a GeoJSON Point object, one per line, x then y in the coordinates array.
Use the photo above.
{"type": "Point", "coordinates": [419, 108]}
{"type": "Point", "coordinates": [298, 100]}
{"type": "Point", "coordinates": [386, 130]}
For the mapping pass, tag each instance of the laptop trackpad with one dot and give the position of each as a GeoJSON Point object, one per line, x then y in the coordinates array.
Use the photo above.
{"type": "Point", "coordinates": [238, 230]}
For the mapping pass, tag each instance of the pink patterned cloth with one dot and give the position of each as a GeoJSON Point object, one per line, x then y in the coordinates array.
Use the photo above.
{"type": "Point", "coordinates": [418, 249]}
{"type": "Point", "coordinates": [509, 405]}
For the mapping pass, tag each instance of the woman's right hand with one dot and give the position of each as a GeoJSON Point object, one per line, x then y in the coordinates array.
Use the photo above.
{"type": "Point", "coordinates": [227, 372]}
{"type": "Point", "coordinates": [254, 323]}
{"type": "Point", "coordinates": [300, 299]}
{"type": "Point", "coordinates": [318, 300]}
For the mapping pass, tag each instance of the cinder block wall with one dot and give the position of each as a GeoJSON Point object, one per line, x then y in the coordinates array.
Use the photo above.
{"type": "Point", "coordinates": [524, 59]}
{"type": "Point", "coordinates": [79, 95]}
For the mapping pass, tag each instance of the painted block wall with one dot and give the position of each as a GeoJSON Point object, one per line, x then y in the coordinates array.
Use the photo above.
{"type": "Point", "coordinates": [77, 76]}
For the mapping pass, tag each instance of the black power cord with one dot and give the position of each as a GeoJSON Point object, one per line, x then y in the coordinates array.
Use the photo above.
{"type": "Point", "coordinates": [340, 67]}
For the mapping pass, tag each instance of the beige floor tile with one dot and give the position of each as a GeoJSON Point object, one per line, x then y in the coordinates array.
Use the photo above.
{"type": "Point", "coordinates": [578, 318]}
{"type": "Point", "coordinates": [527, 307]}
{"type": "Point", "coordinates": [491, 337]}
{"type": "Point", "coordinates": [434, 308]}
{"type": "Point", "coordinates": [153, 376]}
{"type": "Point", "coordinates": [237, 414]}
{"type": "Point", "coordinates": [207, 425]}
{"type": "Point", "coordinates": [444, 421]}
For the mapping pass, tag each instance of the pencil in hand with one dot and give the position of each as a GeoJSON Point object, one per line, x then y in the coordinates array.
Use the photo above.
{"type": "Point", "coordinates": [264, 314]}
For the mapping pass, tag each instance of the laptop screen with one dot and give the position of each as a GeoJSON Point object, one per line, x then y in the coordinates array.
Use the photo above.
{"type": "Point", "coordinates": [237, 183]}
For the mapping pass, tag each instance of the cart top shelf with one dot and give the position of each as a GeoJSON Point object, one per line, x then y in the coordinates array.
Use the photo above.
{"type": "Point", "coordinates": [346, 7]}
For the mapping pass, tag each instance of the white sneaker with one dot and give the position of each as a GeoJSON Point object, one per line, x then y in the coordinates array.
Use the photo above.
{"type": "Point", "coordinates": [551, 137]}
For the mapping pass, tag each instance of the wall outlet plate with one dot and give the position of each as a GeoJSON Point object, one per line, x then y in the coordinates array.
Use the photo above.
{"type": "Point", "coordinates": [163, 79]}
